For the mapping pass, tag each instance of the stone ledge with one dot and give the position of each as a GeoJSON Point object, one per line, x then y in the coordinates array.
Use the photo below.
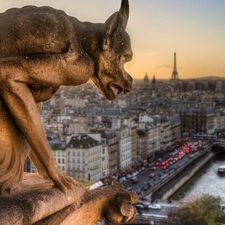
{"type": "Point", "coordinates": [35, 200]}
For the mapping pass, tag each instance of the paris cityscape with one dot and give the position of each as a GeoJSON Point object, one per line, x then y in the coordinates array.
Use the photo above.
{"type": "Point", "coordinates": [147, 140]}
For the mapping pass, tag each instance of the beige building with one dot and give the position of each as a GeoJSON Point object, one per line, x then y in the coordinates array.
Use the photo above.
{"type": "Point", "coordinates": [125, 151]}
{"type": "Point", "coordinates": [83, 156]}
{"type": "Point", "coordinates": [108, 137]}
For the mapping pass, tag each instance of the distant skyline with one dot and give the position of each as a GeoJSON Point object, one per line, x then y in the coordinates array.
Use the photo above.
{"type": "Point", "coordinates": [194, 29]}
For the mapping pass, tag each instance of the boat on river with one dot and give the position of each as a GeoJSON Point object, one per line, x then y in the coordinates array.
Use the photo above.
{"type": "Point", "coordinates": [221, 169]}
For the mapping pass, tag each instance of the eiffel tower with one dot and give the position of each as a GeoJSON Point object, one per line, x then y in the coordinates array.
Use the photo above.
{"type": "Point", "coordinates": [175, 76]}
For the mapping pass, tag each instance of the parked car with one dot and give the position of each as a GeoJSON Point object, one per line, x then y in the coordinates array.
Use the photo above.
{"type": "Point", "coordinates": [122, 179]}
{"type": "Point", "coordinates": [154, 206]}
{"type": "Point", "coordinates": [129, 176]}
{"type": "Point", "coordinates": [135, 173]}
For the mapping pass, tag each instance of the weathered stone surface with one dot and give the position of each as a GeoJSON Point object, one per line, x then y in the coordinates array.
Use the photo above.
{"type": "Point", "coordinates": [112, 202]}
{"type": "Point", "coordinates": [39, 202]}
{"type": "Point", "coordinates": [36, 199]}
{"type": "Point", "coordinates": [42, 48]}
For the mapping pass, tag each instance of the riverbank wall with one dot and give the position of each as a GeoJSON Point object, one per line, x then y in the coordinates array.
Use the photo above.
{"type": "Point", "coordinates": [172, 183]}
{"type": "Point", "coordinates": [184, 176]}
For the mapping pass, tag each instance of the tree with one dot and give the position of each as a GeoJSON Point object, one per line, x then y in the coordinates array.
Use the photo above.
{"type": "Point", "coordinates": [201, 210]}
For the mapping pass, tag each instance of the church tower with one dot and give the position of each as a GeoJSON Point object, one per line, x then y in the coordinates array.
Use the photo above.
{"type": "Point", "coordinates": [153, 80]}
{"type": "Point", "coordinates": [146, 79]}
{"type": "Point", "coordinates": [175, 76]}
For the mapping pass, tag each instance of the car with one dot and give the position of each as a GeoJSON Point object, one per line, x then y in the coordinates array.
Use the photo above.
{"type": "Point", "coordinates": [138, 191]}
{"type": "Point", "coordinates": [135, 173]}
{"type": "Point", "coordinates": [122, 179]}
{"type": "Point", "coordinates": [154, 206]}
{"type": "Point", "coordinates": [134, 180]}
{"type": "Point", "coordinates": [139, 211]}
{"type": "Point", "coordinates": [145, 188]}
{"type": "Point", "coordinates": [128, 176]}
{"type": "Point", "coordinates": [145, 204]}
{"type": "Point", "coordinates": [175, 159]}
{"type": "Point", "coordinates": [156, 163]}
{"type": "Point", "coordinates": [163, 167]}
{"type": "Point", "coordinates": [129, 189]}
{"type": "Point", "coordinates": [163, 163]}
{"type": "Point", "coordinates": [151, 175]}
{"type": "Point", "coordinates": [139, 206]}
{"type": "Point", "coordinates": [154, 168]}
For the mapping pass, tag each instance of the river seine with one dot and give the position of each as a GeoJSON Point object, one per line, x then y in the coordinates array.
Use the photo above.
{"type": "Point", "coordinates": [206, 181]}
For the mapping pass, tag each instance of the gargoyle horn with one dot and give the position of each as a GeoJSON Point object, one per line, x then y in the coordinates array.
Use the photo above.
{"type": "Point", "coordinates": [124, 13]}
{"type": "Point", "coordinates": [118, 19]}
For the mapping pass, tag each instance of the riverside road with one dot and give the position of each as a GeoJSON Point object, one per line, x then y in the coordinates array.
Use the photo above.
{"type": "Point", "coordinates": [143, 178]}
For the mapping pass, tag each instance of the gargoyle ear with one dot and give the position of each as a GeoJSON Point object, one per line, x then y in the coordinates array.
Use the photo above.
{"type": "Point", "coordinates": [118, 19]}
{"type": "Point", "coordinates": [111, 24]}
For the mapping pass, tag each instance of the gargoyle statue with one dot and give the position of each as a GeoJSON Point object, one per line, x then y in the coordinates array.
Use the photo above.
{"type": "Point", "coordinates": [42, 48]}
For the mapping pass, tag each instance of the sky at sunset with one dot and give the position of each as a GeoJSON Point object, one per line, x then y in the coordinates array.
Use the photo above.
{"type": "Point", "coordinates": [195, 29]}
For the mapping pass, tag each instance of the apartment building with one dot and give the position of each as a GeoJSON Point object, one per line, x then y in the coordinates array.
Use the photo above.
{"type": "Point", "coordinates": [83, 156]}
{"type": "Point", "coordinates": [110, 139]}
{"type": "Point", "coordinates": [125, 148]}
{"type": "Point", "coordinates": [59, 151]}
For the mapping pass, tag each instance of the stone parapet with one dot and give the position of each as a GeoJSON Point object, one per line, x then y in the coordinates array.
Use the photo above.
{"type": "Point", "coordinates": [38, 202]}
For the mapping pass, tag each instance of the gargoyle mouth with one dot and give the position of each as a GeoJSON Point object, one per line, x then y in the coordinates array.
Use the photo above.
{"type": "Point", "coordinates": [111, 90]}
{"type": "Point", "coordinates": [117, 89]}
